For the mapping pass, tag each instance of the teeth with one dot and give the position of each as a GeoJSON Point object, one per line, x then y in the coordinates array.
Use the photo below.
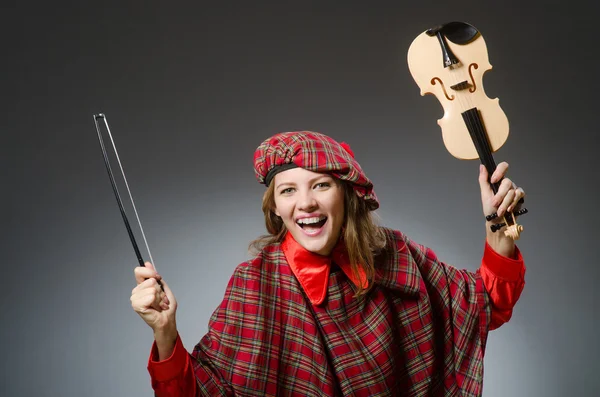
{"type": "Point", "coordinates": [308, 221]}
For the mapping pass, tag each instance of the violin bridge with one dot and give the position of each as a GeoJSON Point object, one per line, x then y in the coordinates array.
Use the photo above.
{"type": "Point", "coordinates": [463, 85]}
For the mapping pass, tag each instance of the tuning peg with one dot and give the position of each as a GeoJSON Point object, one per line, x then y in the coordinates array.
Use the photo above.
{"type": "Point", "coordinates": [495, 227]}
{"type": "Point", "coordinates": [493, 216]}
{"type": "Point", "coordinates": [522, 211]}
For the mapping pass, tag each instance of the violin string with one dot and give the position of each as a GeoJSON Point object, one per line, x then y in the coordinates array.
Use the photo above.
{"type": "Point", "coordinates": [481, 137]}
{"type": "Point", "coordinates": [464, 100]}
{"type": "Point", "coordinates": [129, 192]}
{"type": "Point", "coordinates": [473, 120]}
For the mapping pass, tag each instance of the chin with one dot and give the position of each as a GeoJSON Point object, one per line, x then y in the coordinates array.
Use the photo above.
{"type": "Point", "coordinates": [317, 246]}
{"type": "Point", "coordinates": [317, 249]}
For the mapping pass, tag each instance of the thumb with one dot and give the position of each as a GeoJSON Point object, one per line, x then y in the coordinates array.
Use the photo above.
{"type": "Point", "coordinates": [484, 185]}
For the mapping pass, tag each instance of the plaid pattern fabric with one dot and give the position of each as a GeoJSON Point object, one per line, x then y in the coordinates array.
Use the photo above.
{"type": "Point", "coordinates": [315, 152]}
{"type": "Point", "coordinates": [421, 331]}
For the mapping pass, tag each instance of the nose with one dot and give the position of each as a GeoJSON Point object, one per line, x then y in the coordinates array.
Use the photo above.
{"type": "Point", "coordinates": [307, 201]}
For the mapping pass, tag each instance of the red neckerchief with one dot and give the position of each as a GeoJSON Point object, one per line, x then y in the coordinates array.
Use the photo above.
{"type": "Point", "coordinates": [312, 270]}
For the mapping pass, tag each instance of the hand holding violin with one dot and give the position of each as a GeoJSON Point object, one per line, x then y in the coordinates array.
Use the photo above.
{"type": "Point", "coordinates": [505, 200]}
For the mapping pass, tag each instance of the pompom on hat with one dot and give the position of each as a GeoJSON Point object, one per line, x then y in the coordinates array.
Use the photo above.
{"type": "Point", "coordinates": [314, 152]}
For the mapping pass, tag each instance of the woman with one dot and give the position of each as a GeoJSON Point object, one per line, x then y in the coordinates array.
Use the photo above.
{"type": "Point", "coordinates": [332, 304]}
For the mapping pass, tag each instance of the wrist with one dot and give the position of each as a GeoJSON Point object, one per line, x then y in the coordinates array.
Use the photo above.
{"type": "Point", "coordinates": [168, 333]}
{"type": "Point", "coordinates": [165, 339]}
{"type": "Point", "coordinates": [499, 242]}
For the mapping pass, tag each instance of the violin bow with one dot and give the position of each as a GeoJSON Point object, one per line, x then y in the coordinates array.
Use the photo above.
{"type": "Point", "coordinates": [101, 117]}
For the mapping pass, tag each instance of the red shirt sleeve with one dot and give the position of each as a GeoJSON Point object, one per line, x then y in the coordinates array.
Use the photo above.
{"type": "Point", "coordinates": [174, 376]}
{"type": "Point", "coordinates": [504, 280]}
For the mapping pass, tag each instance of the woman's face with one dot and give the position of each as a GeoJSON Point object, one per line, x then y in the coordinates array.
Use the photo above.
{"type": "Point", "coordinates": [311, 206]}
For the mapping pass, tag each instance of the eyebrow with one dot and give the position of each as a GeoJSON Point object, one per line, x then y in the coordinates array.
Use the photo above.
{"type": "Point", "coordinates": [310, 181]}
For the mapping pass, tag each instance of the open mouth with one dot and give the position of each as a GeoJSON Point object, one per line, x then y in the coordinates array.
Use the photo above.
{"type": "Point", "coordinates": [312, 224]}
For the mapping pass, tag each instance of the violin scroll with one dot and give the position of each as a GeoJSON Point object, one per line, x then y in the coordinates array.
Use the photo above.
{"type": "Point", "coordinates": [513, 230]}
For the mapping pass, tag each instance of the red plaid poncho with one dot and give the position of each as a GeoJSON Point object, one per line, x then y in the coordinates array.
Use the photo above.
{"type": "Point", "coordinates": [420, 331]}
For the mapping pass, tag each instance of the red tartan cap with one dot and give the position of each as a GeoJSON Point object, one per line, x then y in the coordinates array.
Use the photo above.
{"type": "Point", "coordinates": [314, 152]}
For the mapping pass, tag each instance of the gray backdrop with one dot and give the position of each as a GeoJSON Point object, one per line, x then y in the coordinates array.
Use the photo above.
{"type": "Point", "coordinates": [190, 90]}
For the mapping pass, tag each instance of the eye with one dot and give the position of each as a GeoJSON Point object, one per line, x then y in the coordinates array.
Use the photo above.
{"type": "Point", "coordinates": [323, 184]}
{"type": "Point", "coordinates": [287, 190]}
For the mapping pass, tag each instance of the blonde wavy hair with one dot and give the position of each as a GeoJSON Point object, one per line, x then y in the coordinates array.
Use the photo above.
{"type": "Point", "coordinates": [362, 236]}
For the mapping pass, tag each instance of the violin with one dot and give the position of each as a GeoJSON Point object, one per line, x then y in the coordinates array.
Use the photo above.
{"type": "Point", "coordinates": [449, 61]}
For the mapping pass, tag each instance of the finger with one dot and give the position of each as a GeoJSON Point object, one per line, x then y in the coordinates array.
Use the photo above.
{"type": "Point", "coordinates": [148, 298]}
{"type": "Point", "coordinates": [503, 189]}
{"type": "Point", "coordinates": [519, 194]}
{"type": "Point", "coordinates": [141, 274]}
{"type": "Point", "coordinates": [170, 298]}
{"type": "Point", "coordinates": [150, 302]}
{"type": "Point", "coordinates": [145, 289]}
{"type": "Point", "coordinates": [150, 283]}
{"type": "Point", "coordinates": [143, 302]}
{"type": "Point", "coordinates": [160, 301]}
{"type": "Point", "coordinates": [153, 285]}
{"type": "Point", "coordinates": [145, 272]}
{"type": "Point", "coordinates": [508, 199]}
{"type": "Point", "coordinates": [486, 190]}
{"type": "Point", "coordinates": [500, 172]}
